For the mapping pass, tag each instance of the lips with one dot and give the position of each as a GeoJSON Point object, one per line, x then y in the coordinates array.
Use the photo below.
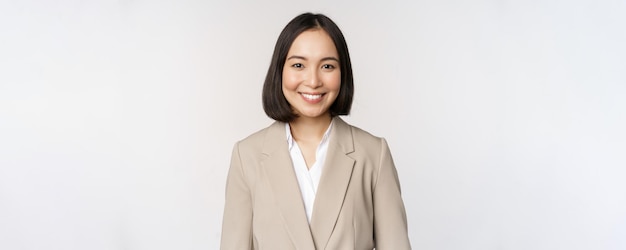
{"type": "Point", "coordinates": [311, 98]}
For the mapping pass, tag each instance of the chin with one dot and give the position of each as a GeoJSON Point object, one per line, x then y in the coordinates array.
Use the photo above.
{"type": "Point", "coordinates": [314, 115]}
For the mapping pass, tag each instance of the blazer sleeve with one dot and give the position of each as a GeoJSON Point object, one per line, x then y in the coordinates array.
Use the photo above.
{"type": "Point", "coordinates": [390, 226]}
{"type": "Point", "coordinates": [237, 221]}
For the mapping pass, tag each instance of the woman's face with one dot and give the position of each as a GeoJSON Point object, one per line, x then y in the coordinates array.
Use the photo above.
{"type": "Point", "coordinates": [311, 74]}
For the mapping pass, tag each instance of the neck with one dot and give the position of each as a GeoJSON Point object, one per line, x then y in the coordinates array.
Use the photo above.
{"type": "Point", "coordinates": [303, 128]}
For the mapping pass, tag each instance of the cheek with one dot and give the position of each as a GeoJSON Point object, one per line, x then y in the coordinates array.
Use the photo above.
{"type": "Point", "coordinates": [333, 81]}
{"type": "Point", "coordinates": [290, 81]}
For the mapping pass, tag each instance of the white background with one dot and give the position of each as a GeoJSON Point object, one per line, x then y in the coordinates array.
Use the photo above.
{"type": "Point", "coordinates": [505, 118]}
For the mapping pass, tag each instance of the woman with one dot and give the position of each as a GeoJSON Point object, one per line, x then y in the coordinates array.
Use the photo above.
{"type": "Point", "coordinates": [311, 181]}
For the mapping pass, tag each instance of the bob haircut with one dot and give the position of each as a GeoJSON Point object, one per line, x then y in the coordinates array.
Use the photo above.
{"type": "Point", "coordinates": [274, 102]}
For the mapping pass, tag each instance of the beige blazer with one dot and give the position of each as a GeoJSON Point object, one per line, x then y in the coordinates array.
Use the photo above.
{"type": "Point", "coordinates": [357, 205]}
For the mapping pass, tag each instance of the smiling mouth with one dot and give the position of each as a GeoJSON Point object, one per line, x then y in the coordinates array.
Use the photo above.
{"type": "Point", "coordinates": [311, 97]}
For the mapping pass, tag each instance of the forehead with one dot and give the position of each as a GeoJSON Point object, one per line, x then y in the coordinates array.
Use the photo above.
{"type": "Point", "coordinates": [313, 43]}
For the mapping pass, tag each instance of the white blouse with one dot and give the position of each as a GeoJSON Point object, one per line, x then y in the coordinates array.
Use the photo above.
{"type": "Point", "coordinates": [308, 179]}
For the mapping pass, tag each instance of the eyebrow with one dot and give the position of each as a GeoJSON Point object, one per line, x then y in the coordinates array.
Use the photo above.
{"type": "Point", "coordinates": [332, 58]}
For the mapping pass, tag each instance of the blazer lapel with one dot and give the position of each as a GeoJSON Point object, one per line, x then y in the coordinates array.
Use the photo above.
{"type": "Point", "coordinates": [333, 183]}
{"type": "Point", "coordinates": [282, 178]}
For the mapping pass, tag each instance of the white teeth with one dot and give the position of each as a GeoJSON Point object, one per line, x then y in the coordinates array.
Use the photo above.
{"type": "Point", "coordinates": [311, 97]}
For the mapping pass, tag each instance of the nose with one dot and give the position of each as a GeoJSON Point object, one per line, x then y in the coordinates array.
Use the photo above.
{"type": "Point", "coordinates": [313, 80]}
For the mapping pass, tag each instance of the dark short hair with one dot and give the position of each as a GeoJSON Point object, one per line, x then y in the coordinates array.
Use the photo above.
{"type": "Point", "coordinates": [274, 102]}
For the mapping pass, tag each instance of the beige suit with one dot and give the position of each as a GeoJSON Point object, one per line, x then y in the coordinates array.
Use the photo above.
{"type": "Point", "coordinates": [357, 205]}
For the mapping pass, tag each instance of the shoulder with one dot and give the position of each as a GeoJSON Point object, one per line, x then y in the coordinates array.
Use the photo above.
{"type": "Point", "coordinates": [363, 141]}
{"type": "Point", "coordinates": [365, 137]}
{"type": "Point", "coordinates": [256, 140]}
{"type": "Point", "coordinates": [371, 152]}
{"type": "Point", "coordinates": [361, 136]}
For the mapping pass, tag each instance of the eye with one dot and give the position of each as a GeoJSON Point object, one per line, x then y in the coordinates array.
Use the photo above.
{"type": "Point", "coordinates": [328, 66]}
{"type": "Point", "coordinates": [297, 65]}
